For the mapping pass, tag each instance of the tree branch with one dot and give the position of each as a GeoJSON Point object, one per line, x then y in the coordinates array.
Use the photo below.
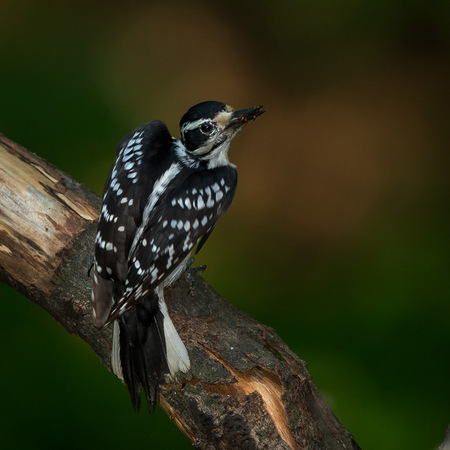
{"type": "Point", "coordinates": [246, 389]}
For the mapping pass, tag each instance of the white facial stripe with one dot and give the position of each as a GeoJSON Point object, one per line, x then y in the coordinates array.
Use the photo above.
{"type": "Point", "coordinates": [222, 119]}
{"type": "Point", "coordinates": [192, 125]}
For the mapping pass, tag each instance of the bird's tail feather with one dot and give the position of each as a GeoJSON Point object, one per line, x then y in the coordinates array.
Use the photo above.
{"type": "Point", "coordinates": [177, 355]}
{"type": "Point", "coordinates": [142, 352]}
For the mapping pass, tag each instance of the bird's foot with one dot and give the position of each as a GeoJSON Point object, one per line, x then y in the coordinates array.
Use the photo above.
{"type": "Point", "coordinates": [199, 269]}
{"type": "Point", "coordinates": [190, 271]}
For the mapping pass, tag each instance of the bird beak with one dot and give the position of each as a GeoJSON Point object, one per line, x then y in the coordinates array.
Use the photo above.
{"type": "Point", "coordinates": [243, 116]}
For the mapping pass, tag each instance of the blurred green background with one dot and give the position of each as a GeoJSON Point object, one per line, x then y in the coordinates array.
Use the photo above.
{"type": "Point", "coordinates": [338, 237]}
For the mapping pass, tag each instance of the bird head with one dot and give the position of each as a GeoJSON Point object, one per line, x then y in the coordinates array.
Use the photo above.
{"type": "Point", "coordinates": [208, 128]}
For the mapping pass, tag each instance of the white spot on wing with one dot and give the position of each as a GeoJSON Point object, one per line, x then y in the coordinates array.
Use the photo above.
{"type": "Point", "coordinates": [200, 202]}
{"type": "Point", "coordinates": [171, 251]}
{"type": "Point", "coordinates": [187, 244]}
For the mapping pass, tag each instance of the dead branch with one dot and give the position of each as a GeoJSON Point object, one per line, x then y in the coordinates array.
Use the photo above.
{"type": "Point", "coordinates": [246, 389]}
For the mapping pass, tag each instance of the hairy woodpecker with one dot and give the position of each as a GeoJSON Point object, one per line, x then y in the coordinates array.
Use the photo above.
{"type": "Point", "coordinates": [163, 197]}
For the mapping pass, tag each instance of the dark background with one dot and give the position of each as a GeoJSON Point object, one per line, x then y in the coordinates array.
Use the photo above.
{"type": "Point", "coordinates": [338, 236]}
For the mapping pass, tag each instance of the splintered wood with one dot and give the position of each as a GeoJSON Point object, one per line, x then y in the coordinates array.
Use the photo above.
{"type": "Point", "coordinates": [39, 218]}
{"type": "Point", "coordinates": [268, 387]}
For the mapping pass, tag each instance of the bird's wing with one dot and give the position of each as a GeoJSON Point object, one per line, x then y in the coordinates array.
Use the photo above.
{"type": "Point", "coordinates": [187, 214]}
{"type": "Point", "coordinates": [131, 179]}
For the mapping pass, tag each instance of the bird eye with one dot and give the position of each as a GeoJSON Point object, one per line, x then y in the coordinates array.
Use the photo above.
{"type": "Point", "coordinates": [205, 128]}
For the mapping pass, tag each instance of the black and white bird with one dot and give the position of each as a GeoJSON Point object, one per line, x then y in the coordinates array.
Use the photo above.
{"type": "Point", "coordinates": [163, 197]}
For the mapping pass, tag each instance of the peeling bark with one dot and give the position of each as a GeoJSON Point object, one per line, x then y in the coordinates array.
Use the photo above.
{"type": "Point", "coordinates": [246, 389]}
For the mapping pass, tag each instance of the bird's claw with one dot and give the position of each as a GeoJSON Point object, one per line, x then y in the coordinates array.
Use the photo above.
{"type": "Point", "coordinates": [190, 271]}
